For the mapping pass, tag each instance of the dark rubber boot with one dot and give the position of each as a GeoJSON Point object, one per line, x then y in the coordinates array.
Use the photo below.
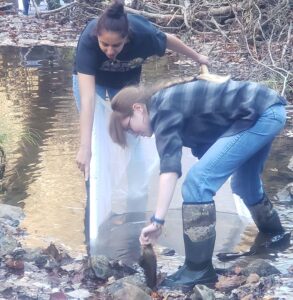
{"type": "Point", "coordinates": [199, 239]}
{"type": "Point", "coordinates": [266, 217]}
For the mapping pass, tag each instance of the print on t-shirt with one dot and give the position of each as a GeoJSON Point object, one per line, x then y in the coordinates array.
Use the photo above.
{"type": "Point", "coordinates": [121, 66]}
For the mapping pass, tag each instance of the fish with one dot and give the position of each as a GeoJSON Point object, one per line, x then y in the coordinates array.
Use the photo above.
{"type": "Point", "coordinates": [148, 262]}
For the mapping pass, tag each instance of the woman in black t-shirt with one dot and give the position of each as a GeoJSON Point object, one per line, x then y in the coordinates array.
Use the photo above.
{"type": "Point", "coordinates": [109, 56]}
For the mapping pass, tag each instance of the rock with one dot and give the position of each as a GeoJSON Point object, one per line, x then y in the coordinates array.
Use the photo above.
{"type": "Point", "coordinates": [220, 296]}
{"type": "Point", "coordinates": [105, 268]}
{"type": "Point", "coordinates": [15, 264]}
{"type": "Point", "coordinates": [41, 261]}
{"type": "Point", "coordinates": [120, 270]}
{"type": "Point", "coordinates": [30, 267]}
{"type": "Point", "coordinates": [11, 212]}
{"type": "Point", "coordinates": [227, 284]}
{"type": "Point", "coordinates": [168, 252]}
{"type": "Point", "coordinates": [57, 254]}
{"type": "Point", "coordinates": [7, 244]}
{"type": "Point", "coordinates": [124, 290]}
{"type": "Point", "coordinates": [74, 267]}
{"type": "Point", "coordinates": [237, 270]}
{"type": "Point", "coordinates": [290, 165]}
{"type": "Point", "coordinates": [101, 266]}
{"type": "Point", "coordinates": [286, 194]}
{"type": "Point", "coordinates": [248, 297]}
{"type": "Point", "coordinates": [252, 278]}
{"type": "Point", "coordinates": [5, 287]}
{"type": "Point", "coordinates": [261, 267]}
{"type": "Point", "coordinates": [31, 255]}
{"type": "Point", "coordinates": [256, 289]}
{"type": "Point", "coordinates": [46, 261]}
{"type": "Point", "coordinates": [58, 296]}
{"type": "Point", "coordinates": [79, 294]}
{"type": "Point", "coordinates": [18, 253]}
{"type": "Point", "coordinates": [270, 297]}
{"type": "Point", "coordinates": [136, 280]}
{"type": "Point", "coordinates": [10, 222]}
{"type": "Point", "coordinates": [201, 292]}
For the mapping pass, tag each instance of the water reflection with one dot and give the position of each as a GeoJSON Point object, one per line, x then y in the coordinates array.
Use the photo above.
{"type": "Point", "coordinates": [36, 102]}
{"type": "Point", "coordinates": [39, 118]}
{"type": "Point", "coordinates": [42, 176]}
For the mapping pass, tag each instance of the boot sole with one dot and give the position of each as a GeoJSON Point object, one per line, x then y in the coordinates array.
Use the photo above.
{"type": "Point", "coordinates": [209, 282]}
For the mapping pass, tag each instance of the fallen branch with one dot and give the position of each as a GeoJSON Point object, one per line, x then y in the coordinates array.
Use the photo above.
{"type": "Point", "coordinates": [287, 43]}
{"type": "Point", "coordinates": [152, 15]}
{"type": "Point", "coordinates": [220, 30]}
{"type": "Point", "coordinates": [36, 9]}
{"type": "Point", "coordinates": [57, 10]}
{"type": "Point", "coordinates": [5, 6]}
{"type": "Point", "coordinates": [185, 11]}
{"type": "Point", "coordinates": [283, 73]}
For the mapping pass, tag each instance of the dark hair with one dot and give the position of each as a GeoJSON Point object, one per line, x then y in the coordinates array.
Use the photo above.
{"type": "Point", "coordinates": [113, 19]}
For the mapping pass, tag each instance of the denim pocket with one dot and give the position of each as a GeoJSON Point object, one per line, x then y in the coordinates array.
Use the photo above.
{"type": "Point", "coordinates": [271, 121]}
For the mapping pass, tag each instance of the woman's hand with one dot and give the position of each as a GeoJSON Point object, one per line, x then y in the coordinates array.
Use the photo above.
{"type": "Point", "coordinates": [83, 159]}
{"type": "Point", "coordinates": [202, 59]}
{"type": "Point", "coordinates": [150, 234]}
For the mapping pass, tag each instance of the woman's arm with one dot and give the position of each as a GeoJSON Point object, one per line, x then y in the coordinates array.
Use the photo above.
{"type": "Point", "coordinates": [176, 45]}
{"type": "Point", "coordinates": [87, 100]}
{"type": "Point", "coordinates": [167, 184]}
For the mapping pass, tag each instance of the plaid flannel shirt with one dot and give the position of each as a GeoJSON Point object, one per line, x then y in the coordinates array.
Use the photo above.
{"type": "Point", "coordinates": [200, 112]}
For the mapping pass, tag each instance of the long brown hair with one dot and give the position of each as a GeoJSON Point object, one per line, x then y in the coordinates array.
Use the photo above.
{"type": "Point", "coordinates": [123, 101]}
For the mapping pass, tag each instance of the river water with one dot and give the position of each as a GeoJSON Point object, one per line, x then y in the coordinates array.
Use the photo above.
{"type": "Point", "coordinates": [39, 124]}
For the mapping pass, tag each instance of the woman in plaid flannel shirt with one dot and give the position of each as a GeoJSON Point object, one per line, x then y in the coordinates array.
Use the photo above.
{"type": "Point", "coordinates": [230, 127]}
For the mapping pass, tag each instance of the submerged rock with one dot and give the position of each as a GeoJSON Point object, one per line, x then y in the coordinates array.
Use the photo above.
{"type": "Point", "coordinates": [123, 290]}
{"type": "Point", "coordinates": [11, 212]}
{"type": "Point", "coordinates": [261, 267]}
{"type": "Point", "coordinates": [201, 292]}
{"type": "Point", "coordinates": [101, 266]}
{"type": "Point", "coordinates": [58, 296]}
{"type": "Point", "coordinates": [136, 280]}
{"type": "Point", "coordinates": [7, 242]}
{"type": "Point", "coordinates": [105, 268]}
{"type": "Point", "coordinates": [227, 284]}
{"type": "Point", "coordinates": [79, 294]}
{"type": "Point", "coordinates": [255, 291]}
{"type": "Point", "coordinates": [252, 278]}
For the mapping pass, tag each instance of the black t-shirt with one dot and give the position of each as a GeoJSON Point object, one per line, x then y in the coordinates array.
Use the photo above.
{"type": "Point", "coordinates": [144, 41]}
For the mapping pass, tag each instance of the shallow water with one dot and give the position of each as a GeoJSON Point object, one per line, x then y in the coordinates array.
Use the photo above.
{"type": "Point", "coordinates": [39, 117]}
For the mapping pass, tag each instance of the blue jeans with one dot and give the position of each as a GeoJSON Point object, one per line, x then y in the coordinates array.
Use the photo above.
{"type": "Point", "coordinates": [242, 155]}
{"type": "Point", "coordinates": [26, 4]}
